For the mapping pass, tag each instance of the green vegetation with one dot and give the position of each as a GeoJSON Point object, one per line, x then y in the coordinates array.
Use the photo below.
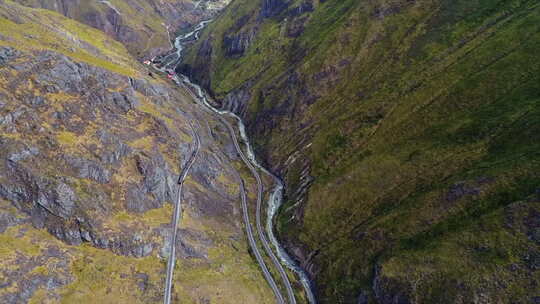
{"type": "Point", "coordinates": [425, 129]}
{"type": "Point", "coordinates": [31, 29]}
{"type": "Point", "coordinates": [139, 26]}
{"type": "Point", "coordinates": [81, 134]}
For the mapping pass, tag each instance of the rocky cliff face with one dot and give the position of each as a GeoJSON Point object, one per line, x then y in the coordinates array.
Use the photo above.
{"type": "Point", "coordinates": [91, 146]}
{"type": "Point", "coordinates": [140, 25]}
{"type": "Point", "coordinates": [405, 132]}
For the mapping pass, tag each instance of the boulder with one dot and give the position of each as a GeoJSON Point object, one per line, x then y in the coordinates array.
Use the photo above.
{"type": "Point", "coordinates": [7, 54]}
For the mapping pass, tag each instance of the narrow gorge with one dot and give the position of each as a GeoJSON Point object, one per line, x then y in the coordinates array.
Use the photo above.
{"type": "Point", "coordinates": [168, 63]}
{"type": "Point", "coordinates": [270, 151]}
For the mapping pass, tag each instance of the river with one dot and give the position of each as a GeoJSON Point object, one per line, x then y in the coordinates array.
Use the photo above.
{"type": "Point", "coordinates": [276, 196]}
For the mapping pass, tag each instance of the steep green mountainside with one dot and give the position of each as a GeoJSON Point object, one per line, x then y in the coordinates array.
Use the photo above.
{"type": "Point", "coordinates": [408, 134]}
{"type": "Point", "coordinates": [91, 147]}
{"type": "Point", "coordinates": [141, 25]}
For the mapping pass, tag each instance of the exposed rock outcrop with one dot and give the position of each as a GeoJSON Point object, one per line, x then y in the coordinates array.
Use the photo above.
{"type": "Point", "coordinates": [27, 278]}
{"type": "Point", "coordinates": [271, 8]}
{"type": "Point", "coordinates": [237, 44]}
{"type": "Point", "coordinates": [6, 54]}
{"type": "Point", "coordinates": [72, 203]}
{"type": "Point", "coordinates": [91, 148]}
{"type": "Point", "coordinates": [130, 23]}
{"type": "Point", "coordinates": [390, 124]}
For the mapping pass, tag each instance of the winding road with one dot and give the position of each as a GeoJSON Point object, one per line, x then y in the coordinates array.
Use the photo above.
{"type": "Point", "coordinates": [177, 214]}
{"type": "Point", "coordinates": [253, 166]}
{"type": "Point", "coordinates": [255, 249]}
{"type": "Point", "coordinates": [260, 229]}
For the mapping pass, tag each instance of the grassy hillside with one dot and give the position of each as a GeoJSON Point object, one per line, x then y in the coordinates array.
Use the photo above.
{"type": "Point", "coordinates": [30, 29]}
{"type": "Point", "coordinates": [91, 146]}
{"type": "Point", "coordinates": [140, 25]}
{"type": "Point", "coordinates": [416, 125]}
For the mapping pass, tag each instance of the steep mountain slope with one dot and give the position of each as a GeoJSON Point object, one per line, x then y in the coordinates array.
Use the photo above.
{"type": "Point", "coordinates": [141, 25]}
{"type": "Point", "coordinates": [407, 132]}
{"type": "Point", "coordinates": [91, 146]}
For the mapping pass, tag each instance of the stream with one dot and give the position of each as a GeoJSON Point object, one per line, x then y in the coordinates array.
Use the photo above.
{"type": "Point", "coordinates": [276, 195]}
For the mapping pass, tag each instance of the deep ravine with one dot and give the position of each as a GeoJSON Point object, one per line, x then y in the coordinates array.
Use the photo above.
{"type": "Point", "coordinates": [167, 64]}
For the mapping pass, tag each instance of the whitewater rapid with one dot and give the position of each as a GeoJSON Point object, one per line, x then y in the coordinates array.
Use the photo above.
{"type": "Point", "coordinates": [276, 196]}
